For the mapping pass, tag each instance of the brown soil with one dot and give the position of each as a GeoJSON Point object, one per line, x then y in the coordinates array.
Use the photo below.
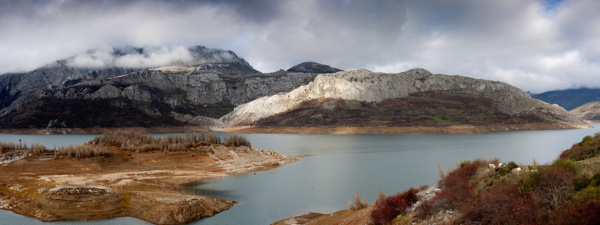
{"type": "Point", "coordinates": [452, 129]}
{"type": "Point", "coordinates": [346, 217]}
{"type": "Point", "coordinates": [142, 185]}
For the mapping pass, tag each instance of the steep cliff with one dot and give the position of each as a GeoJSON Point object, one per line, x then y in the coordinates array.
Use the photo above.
{"type": "Point", "coordinates": [415, 97]}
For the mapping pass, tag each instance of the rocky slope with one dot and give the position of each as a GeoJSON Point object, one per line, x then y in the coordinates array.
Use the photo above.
{"type": "Point", "coordinates": [589, 111]}
{"type": "Point", "coordinates": [203, 85]}
{"type": "Point", "coordinates": [357, 95]}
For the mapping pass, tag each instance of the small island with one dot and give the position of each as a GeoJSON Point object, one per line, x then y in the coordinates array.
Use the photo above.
{"type": "Point", "coordinates": [125, 173]}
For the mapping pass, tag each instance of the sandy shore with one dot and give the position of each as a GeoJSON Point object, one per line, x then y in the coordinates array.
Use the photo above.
{"type": "Point", "coordinates": [453, 129]}
{"type": "Point", "coordinates": [142, 185]}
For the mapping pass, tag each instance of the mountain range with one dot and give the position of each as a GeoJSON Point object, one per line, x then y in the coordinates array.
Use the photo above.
{"type": "Point", "coordinates": [209, 84]}
{"type": "Point", "coordinates": [570, 98]}
{"type": "Point", "coordinates": [361, 98]}
{"type": "Point", "coordinates": [143, 87]}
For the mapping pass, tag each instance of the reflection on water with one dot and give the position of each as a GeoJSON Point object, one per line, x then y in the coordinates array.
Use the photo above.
{"type": "Point", "coordinates": [333, 165]}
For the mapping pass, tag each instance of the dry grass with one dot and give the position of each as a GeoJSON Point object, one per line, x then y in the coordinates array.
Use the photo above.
{"type": "Point", "coordinates": [236, 141]}
{"type": "Point", "coordinates": [138, 142]}
{"type": "Point", "coordinates": [12, 146]}
{"type": "Point", "coordinates": [357, 204]}
{"type": "Point", "coordinates": [440, 170]}
{"type": "Point", "coordinates": [128, 141]}
{"type": "Point", "coordinates": [81, 151]}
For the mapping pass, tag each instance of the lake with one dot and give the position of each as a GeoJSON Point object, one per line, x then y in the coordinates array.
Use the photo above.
{"type": "Point", "coordinates": [334, 165]}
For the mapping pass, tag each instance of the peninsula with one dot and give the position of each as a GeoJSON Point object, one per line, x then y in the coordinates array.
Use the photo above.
{"type": "Point", "coordinates": [125, 174]}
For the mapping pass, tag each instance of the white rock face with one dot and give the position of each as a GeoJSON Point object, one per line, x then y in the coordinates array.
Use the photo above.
{"type": "Point", "coordinates": [364, 85]}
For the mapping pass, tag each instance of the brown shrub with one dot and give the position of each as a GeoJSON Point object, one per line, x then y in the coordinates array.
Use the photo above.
{"type": "Point", "coordinates": [134, 141]}
{"type": "Point", "coordinates": [456, 191]}
{"type": "Point", "coordinates": [501, 205]}
{"type": "Point", "coordinates": [210, 137]}
{"type": "Point", "coordinates": [385, 211]}
{"type": "Point", "coordinates": [236, 141]}
{"type": "Point", "coordinates": [81, 151]}
{"type": "Point", "coordinates": [587, 212]}
{"type": "Point", "coordinates": [358, 203]}
{"type": "Point", "coordinates": [587, 148]}
{"type": "Point", "coordinates": [555, 186]}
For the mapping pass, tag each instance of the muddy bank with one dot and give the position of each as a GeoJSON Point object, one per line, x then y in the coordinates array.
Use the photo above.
{"type": "Point", "coordinates": [141, 185]}
{"type": "Point", "coordinates": [348, 217]}
{"type": "Point", "coordinates": [453, 129]}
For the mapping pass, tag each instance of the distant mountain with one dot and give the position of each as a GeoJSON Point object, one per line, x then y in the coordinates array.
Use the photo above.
{"type": "Point", "coordinates": [313, 67]}
{"type": "Point", "coordinates": [570, 98]}
{"type": "Point", "coordinates": [122, 87]}
{"type": "Point", "coordinates": [588, 111]}
{"type": "Point", "coordinates": [361, 98]}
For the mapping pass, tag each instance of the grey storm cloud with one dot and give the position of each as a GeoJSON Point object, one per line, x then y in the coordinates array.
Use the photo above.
{"type": "Point", "coordinates": [536, 45]}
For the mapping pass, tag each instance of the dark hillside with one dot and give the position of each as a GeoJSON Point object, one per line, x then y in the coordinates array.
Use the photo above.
{"type": "Point", "coordinates": [419, 109]}
{"type": "Point", "coordinates": [313, 67]}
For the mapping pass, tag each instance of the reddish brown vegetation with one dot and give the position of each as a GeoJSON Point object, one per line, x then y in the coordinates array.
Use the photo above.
{"type": "Point", "coordinates": [456, 191]}
{"type": "Point", "coordinates": [587, 148]}
{"type": "Point", "coordinates": [388, 208]}
{"type": "Point", "coordinates": [420, 109]}
{"type": "Point", "coordinates": [542, 196]}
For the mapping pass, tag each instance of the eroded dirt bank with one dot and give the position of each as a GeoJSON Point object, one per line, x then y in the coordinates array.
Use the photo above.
{"type": "Point", "coordinates": [453, 129]}
{"type": "Point", "coordinates": [142, 185]}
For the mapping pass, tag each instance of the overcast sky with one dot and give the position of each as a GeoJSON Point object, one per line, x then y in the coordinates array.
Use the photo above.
{"type": "Point", "coordinates": [536, 45]}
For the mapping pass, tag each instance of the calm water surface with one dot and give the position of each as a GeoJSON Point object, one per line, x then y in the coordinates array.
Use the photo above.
{"type": "Point", "coordinates": [333, 165]}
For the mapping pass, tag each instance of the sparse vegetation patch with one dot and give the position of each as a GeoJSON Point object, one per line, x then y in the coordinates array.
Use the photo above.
{"type": "Point", "coordinates": [420, 109]}
{"type": "Point", "coordinates": [128, 141]}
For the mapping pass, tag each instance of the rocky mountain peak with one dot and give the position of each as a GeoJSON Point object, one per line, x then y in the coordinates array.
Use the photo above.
{"type": "Point", "coordinates": [313, 67]}
{"type": "Point", "coordinates": [203, 55]}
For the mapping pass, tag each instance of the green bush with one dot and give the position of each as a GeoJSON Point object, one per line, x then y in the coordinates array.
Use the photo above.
{"type": "Point", "coordinates": [587, 148]}
{"type": "Point", "coordinates": [566, 164]}
{"type": "Point", "coordinates": [531, 180]}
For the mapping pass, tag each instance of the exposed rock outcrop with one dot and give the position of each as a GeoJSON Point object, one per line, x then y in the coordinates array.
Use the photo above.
{"type": "Point", "coordinates": [366, 86]}
{"type": "Point", "coordinates": [209, 84]}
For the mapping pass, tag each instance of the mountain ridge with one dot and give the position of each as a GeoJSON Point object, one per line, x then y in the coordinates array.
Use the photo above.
{"type": "Point", "coordinates": [195, 92]}
{"type": "Point", "coordinates": [570, 98]}
{"type": "Point", "coordinates": [361, 85]}
{"type": "Point", "coordinates": [201, 86]}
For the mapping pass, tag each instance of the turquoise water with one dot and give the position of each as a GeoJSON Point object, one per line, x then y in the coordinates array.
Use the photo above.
{"type": "Point", "coordinates": [333, 165]}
